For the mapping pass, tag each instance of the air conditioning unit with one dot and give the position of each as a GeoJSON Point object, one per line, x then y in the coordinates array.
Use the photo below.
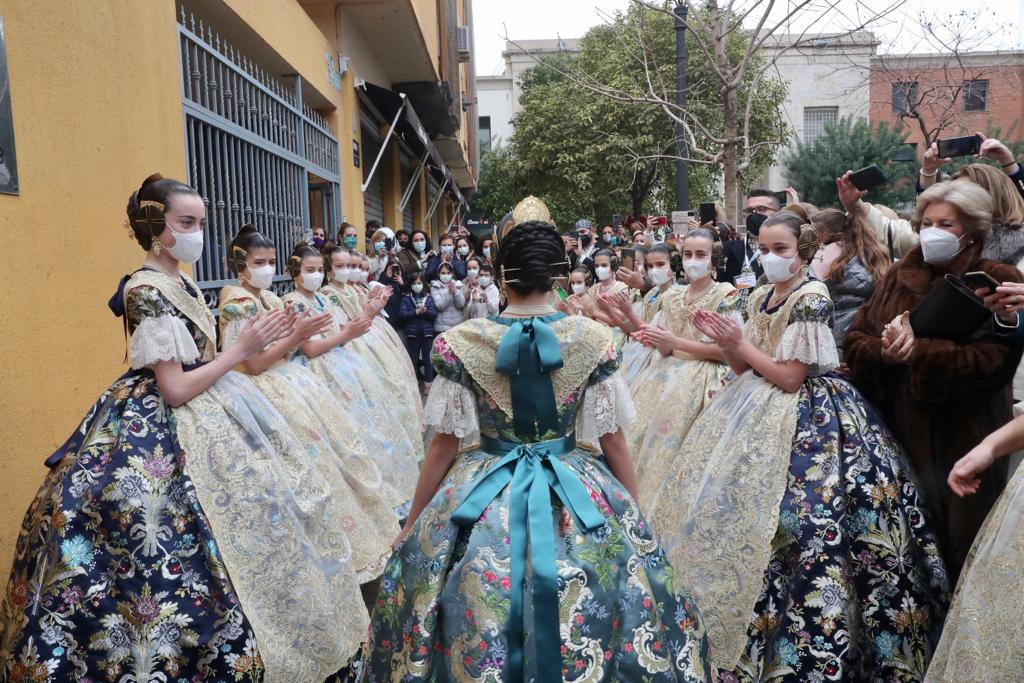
{"type": "Point", "coordinates": [462, 43]}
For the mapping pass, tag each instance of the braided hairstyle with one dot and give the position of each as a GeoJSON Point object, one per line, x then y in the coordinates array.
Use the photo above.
{"type": "Point", "coordinates": [530, 256]}
{"type": "Point", "coordinates": [247, 239]}
{"type": "Point", "coordinates": [147, 219]}
{"type": "Point", "coordinates": [806, 240]}
{"type": "Point", "coordinates": [301, 251]}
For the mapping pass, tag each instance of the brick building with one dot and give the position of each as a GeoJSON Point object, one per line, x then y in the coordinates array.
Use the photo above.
{"type": "Point", "coordinates": [947, 95]}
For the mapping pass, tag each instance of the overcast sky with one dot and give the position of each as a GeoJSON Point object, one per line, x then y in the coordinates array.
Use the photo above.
{"type": "Point", "coordinates": [532, 19]}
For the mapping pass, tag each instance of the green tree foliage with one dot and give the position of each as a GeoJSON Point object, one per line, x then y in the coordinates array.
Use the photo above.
{"type": "Point", "coordinates": [591, 155]}
{"type": "Point", "coordinates": [850, 144]}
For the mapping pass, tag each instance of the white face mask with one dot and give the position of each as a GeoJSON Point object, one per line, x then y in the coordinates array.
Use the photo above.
{"type": "Point", "coordinates": [939, 246]}
{"type": "Point", "coordinates": [342, 274]}
{"type": "Point", "coordinates": [188, 246]}
{"type": "Point", "coordinates": [578, 287]}
{"type": "Point", "coordinates": [260, 277]}
{"type": "Point", "coordinates": [417, 288]}
{"type": "Point", "coordinates": [777, 268]}
{"type": "Point", "coordinates": [419, 246]}
{"type": "Point", "coordinates": [359, 276]}
{"type": "Point", "coordinates": [487, 252]}
{"type": "Point", "coordinates": [445, 279]}
{"type": "Point", "coordinates": [464, 250]}
{"type": "Point", "coordinates": [485, 281]}
{"type": "Point", "coordinates": [312, 281]}
{"type": "Point", "coordinates": [603, 272]}
{"type": "Point", "coordinates": [447, 249]}
{"type": "Point", "coordinates": [660, 276]}
{"type": "Point", "coordinates": [472, 272]}
{"type": "Point", "coordinates": [695, 269]}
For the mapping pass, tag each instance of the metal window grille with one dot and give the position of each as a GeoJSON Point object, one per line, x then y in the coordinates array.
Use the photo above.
{"type": "Point", "coordinates": [815, 120]}
{"type": "Point", "coordinates": [976, 95]}
{"type": "Point", "coordinates": [255, 152]}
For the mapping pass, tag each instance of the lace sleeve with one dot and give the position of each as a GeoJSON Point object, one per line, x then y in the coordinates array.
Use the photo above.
{"type": "Point", "coordinates": [161, 338]}
{"type": "Point", "coordinates": [451, 409]}
{"type": "Point", "coordinates": [808, 337]}
{"type": "Point", "coordinates": [607, 407]}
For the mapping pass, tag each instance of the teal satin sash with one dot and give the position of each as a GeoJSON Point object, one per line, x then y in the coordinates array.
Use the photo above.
{"type": "Point", "coordinates": [534, 471]}
{"type": "Point", "coordinates": [528, 352]}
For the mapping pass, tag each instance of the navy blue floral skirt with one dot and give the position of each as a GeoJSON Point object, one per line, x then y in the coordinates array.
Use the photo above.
{"type": "Point", "coordinates": [116, 574]}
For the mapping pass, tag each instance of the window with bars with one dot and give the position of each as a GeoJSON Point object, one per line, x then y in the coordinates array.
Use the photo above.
{"type": "Point", "coordinates": [904, 97]}
{"type": "Point", "coordinates": [815, 120]}
{"type": "Point", "coordinates": [976, 95]}
{"type": "Point", "coordinates": [484, 136]}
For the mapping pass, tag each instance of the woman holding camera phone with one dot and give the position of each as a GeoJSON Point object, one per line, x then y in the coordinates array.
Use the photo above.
{"type": "Point", "coordinates": [940, 397]}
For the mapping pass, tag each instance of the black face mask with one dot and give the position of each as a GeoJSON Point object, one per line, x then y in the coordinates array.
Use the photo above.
{"type": "Point", "coordinates": [754, 223]}
{"type": "Point", "coordinates": [585, 240]}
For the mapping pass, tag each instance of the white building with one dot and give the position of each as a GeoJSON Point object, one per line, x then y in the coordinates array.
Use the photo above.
{"type": "Point", "coordinates": [498, 96]}
{"type": "Point", "coordinates": [828, 78]}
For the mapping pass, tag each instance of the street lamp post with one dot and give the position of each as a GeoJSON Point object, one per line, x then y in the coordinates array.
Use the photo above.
{"type": "Point", "coordinates": [682, 167]}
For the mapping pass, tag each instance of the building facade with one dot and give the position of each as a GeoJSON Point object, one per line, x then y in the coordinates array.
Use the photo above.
{"type": "Point", "coordinates": [288, 114]}
{"type": "Point", "coordinates": [935, 96]}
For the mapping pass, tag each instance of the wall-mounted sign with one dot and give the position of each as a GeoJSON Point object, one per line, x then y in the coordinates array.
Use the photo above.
{"type": "Point", "coordinates": [8, 160]}
{"type": "Point", "coordinates": [355, 153]}
{"type": "Point", "coordinates": [333, 73]}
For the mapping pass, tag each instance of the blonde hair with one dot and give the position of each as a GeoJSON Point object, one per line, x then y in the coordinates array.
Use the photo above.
{"type": "Point", "coordinates": [1007, 204]}
{"type": "Point", "coordinates": [887, 212]}
{"type": "Point", "coordinates": [973, 204]}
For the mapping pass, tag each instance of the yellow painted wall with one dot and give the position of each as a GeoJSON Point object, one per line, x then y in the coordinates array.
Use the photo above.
{"type": "Point", "coordinates": [427, 16]}
{"type": "Point", "coordinates": [97, 107]}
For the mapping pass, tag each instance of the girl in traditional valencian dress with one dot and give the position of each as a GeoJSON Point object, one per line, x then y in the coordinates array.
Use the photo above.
{"type": "Point", "coordinates": [183, 532]}
{"type": "Point", "coordinates": [380, 347]}
{"type": "Point", "coordinates": [366, 502]}
{"type": "Point", "coordinates": [455, 601]}
{"type": "Point", "coordinates": [352, 380]}
{"type": "Point", "coordinates": [631, 317]}
{"type": "Point", "coordinates": [689, 369]}
{"type": "Point", "coordinates": [791, 510]}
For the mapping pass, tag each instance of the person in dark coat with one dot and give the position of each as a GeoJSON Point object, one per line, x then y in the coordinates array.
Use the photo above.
{"type": "Point", "coordinates": [446, 255]}
{"type": "Point", "coordinates": [417, 313]}
{"type": "Point", "coordinates": [939, 397]}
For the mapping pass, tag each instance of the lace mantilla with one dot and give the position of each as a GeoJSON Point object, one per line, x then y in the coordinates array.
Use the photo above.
{"type": "Point", "coordinates": [192, 307]}
{"type": "Point", "coordinates": [161, 338]}
{"type": "Point", "coordinates": [607, 407]}
{"type": "Point", "coordinates": [475, 342]}
{"type": "Point", "coordinates": [451, 409]}
{"type": "Point", "coordinates": [765, 329]}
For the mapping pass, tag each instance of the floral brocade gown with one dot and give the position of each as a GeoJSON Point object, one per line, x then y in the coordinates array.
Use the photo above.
{"type": "Point", "coordinates": [635, 356]}
{"type": "Point", "coordinates": [448, 600]}
{"type": "Point", "coordinates": [796, 521]}
{"type": "Point", "coordinates": [178, 544]}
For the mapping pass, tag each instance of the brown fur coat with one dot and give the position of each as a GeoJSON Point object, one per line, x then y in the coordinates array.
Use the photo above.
{"type": "Point", "coordinates": [945, 400]}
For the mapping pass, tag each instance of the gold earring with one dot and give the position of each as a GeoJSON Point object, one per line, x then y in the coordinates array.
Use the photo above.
{"type": "Point", "coordinates": [156, 247]}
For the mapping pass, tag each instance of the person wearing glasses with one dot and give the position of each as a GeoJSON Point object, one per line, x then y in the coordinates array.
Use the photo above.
{"type": "Point", "coordinates": [745, 271]}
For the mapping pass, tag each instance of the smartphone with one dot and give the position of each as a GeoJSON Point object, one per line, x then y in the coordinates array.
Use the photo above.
{"type": "Point", "coordinates": [682, 227]}
{"type": "Point", "coordinates": [868, 177]}
{"type": "Point", "coordinates": [782, 197]}
{"type": "Point", "coordinates": [959, 147]}
{"type": "Point", "coordinates": [979, 280]}
{"type": "Point", "coordinates": [707, 213]}
{"type": "Point", "coordinates": [575, 234]}
{"type": "Point", "coordinates": [389, 243]}
{"type": "Point", "coordinates": [661, 220]}
{"type": "Point", "coordinates": [616, 220]}
{"type": "Point", "coordinates": [559, 289]}
{"type": "Point", "coordinates": [628, 259]}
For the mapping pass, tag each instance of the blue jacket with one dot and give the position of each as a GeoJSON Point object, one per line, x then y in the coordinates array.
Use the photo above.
{"type": "Point", "coordinates": [434, 265]}
{"type": "Point", "coordinates": [415, 325]}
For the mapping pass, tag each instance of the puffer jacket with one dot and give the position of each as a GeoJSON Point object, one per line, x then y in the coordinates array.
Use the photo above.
{"type": "Point", "coordinates": [449, 304]}
{"type": "Point", "coordinates": [848, 295]}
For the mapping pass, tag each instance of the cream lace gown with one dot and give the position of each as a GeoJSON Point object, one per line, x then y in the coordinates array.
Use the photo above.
{"type": "Point", "coordinates": [366, 503]}
{"type": "Point", "coordinates": [354, 382]}
{"type": "Point", "coordinates": [635, 356]}
{"type": "Point", "coordinates": [795, 520]}
{"type": "Point", "coordinates": [672, 391]}
{"type": "Point", "coordinates": [983, 639]}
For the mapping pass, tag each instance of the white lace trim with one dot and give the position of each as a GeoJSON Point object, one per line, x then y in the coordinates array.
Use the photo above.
{"type": "Point", "coordinates": [451, 409]}
{"type": "Point", "coordinates": [606, 408]}
{"type": "Point", "coordinates": [164, 337]}
{"type": "Point", "coordinates": [231, 332]}
{"type": "Point", "coordinates": [809, 342]}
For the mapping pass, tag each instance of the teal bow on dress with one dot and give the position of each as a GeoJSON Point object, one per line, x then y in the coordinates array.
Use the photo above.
{"type": "Point", "coordinates": [528, 352]}
{"type": "Point", "coordinates": [534, 471]}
